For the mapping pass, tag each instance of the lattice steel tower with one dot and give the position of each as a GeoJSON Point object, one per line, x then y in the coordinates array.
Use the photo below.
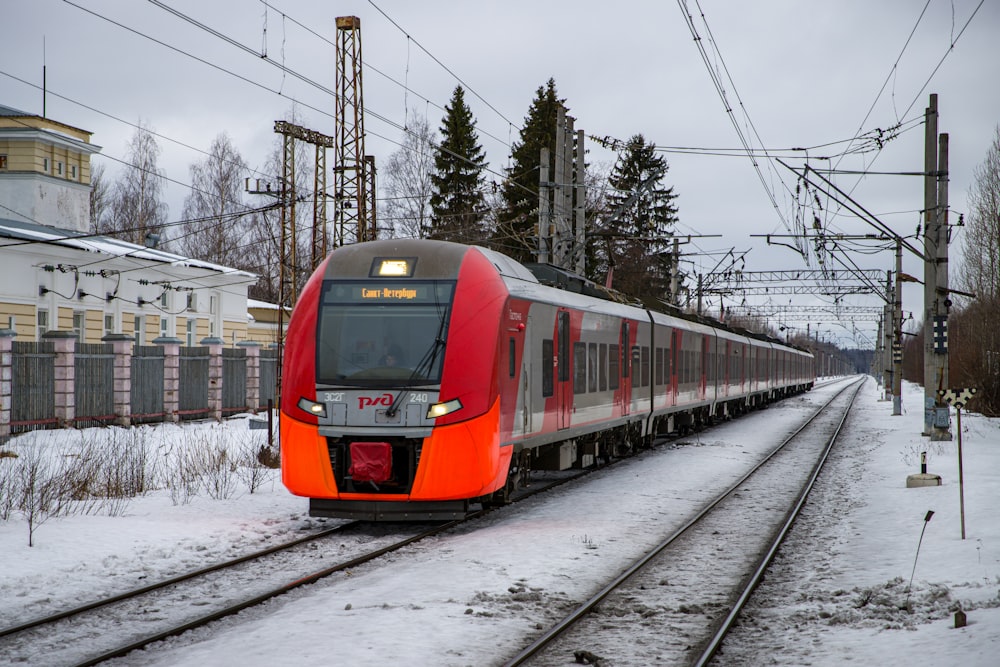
{"type": "Point", "coordinates": [353, 221]}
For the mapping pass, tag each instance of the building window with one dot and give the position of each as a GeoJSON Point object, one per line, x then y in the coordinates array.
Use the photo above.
{"type": "Point", "coordinates": [189, 335]}
{"type": "Point", "coordinates": [213, 309]}
{"type": "Point", "coordinates": [3, 162]}
{"type": "Point", "coordinates": [42, 320]}
{"type": "Point", "coordinates": [59, 168]}
{"type": "Point", "coordinates": [164, 329]}
{"type": "Point", "coordinates": [45, 165]}
{"type": "Point", "coordinates": [192, 302]}
{"type": "Point", "coordinates": [109, 324]}
{"type": "Point", "coordinates": [72, 171]}
{"type": "Point", "coordinates": [138, 330]}
{"type": "Point", "coordinates": [80, 325]}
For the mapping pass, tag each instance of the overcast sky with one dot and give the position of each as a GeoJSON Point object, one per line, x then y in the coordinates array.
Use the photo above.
{"type": "Point", "coordinates": [796, 73]}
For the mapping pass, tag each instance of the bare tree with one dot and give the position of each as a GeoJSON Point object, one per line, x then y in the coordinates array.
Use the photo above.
{"type": "Point", "coordinates": [975, 344]}
{"type": "Point", "coordinates": [980, 273]}
{"type": "Point", "coordinates": [406, 181]}
{"type": "Point", "coordinates": [214, 227]}
{"type": "Point", "coordinates": [100, 198]}
{"type": "Point", "coordinates": [136, 210]}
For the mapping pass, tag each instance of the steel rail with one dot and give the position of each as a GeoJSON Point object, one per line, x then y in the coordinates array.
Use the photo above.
{"type": "Point", "coordinates": [121, 651]}
{"type": "Point", "coordinates": [716, 642]}
{"type": "Point", "coordinates": [586, 607]}
{"type": "Point", "coordinates": [97, 604]}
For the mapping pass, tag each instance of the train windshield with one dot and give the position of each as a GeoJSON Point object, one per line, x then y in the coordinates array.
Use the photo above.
{"type": "Point", "coordinates": [376, 332]}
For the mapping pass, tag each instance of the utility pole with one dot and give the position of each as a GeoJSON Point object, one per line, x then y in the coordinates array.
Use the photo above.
{"type": "Point", "coordinates": [580, 222]}
{"type": "Point", "coordinates": [886, 337]}
{"type": "Point", "coordinates": [897, 334]}
{"type": "Point", "coordinates": [558, 189]}
{"type": "Point", "coordinates": [544, 207]}
{"type": "Point", "coordinates": [675, 269]}
{"type": "Point", "coordinates": [561, 224]}
{"type": "Point", "coordinates": [936, 301]}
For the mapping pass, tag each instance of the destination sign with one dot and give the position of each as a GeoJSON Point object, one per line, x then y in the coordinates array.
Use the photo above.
{"type": "Point", "coordinates": [391, 293]}
{"type": "Point", "coordinates": [382, 292]}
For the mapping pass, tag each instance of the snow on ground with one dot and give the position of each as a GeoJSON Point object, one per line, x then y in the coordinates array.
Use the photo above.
{"type": "Point", "coordinates": [471, 597]}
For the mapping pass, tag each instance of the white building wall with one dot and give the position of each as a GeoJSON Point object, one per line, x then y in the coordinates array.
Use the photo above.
{"type": "Point", "coordinates": [43, 200]}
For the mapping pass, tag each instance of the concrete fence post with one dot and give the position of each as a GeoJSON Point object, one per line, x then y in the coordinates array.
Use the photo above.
{"type": "Point", "coordinates": [171, 376]}
{"type": "Point", "coordinates": [253, 373]}
{"type": "Point", "coordinates": [6, 381]}
{"type": "Point", "coordinates": [214, 346]}
{"type": "Point", "coordinates": [64, 343]}
{"type": "Point", "coordinates": [122, 345]}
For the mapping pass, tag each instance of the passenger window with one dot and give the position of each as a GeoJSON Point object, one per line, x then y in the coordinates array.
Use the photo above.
{"type": "Point", "coordinates": [592, 367]}
{"type": "Point", "coordinates": [602, 368]}
{"type": "Point", "coordinates": [613, 363]}
{"type": "Point", "coordinates": [579, 368]}
{"type": "Point", "coordinates": [547, 366]}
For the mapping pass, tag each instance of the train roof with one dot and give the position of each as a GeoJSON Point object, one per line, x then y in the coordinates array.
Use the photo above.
{"type": "Point", "coordinates": [540, 282]}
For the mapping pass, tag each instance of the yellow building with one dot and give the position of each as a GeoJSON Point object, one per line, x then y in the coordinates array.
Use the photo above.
{"type": "Point", "coordinates": [54, 275]}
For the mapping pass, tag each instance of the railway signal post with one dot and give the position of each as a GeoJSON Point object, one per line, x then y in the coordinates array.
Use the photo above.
{"type": "Point", "coordinates": [957, 398]}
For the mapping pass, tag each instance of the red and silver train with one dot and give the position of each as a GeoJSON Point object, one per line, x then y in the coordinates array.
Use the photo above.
{"type": "Point", "coordinates": [421, 377]}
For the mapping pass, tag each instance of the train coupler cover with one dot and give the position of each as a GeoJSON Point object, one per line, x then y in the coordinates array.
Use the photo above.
{"type": "Point", "coordinates": [371, 462]}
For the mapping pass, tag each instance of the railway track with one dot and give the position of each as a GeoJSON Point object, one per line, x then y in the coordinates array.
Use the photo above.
{"type": "Point", "coordinates": [115, 626]}
{"type": "Point", "coordinates": [675, 604]}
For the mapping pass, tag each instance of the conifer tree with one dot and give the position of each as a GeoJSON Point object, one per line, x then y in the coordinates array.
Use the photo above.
{"type": "Point", "coordinates": [640, 231]}
{"type": "Point", "coordinates": [516, 233]}
{"type": "Point", "coordinates": [457, 208]}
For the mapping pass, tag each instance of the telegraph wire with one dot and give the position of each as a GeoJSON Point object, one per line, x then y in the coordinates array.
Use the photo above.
{"type": "Point", "coordinates": [443, 66]}
{"type": "Point", "coordinates": [714, 75]}
{"type": "Point", "coordinates": [320, 87]}
{"type": "Point", "coordinates": [951, 47]}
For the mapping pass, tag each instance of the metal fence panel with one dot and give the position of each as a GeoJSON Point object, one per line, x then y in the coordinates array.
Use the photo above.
{"type": "Point", "coordinates": [234, 380]}
{"type": "Point", "coordinates": [147, 383]}
{"type": "Point", "coordinates": [193, 399]}
{"type": "Point", "coordinates": [33, 403]}
{"type": "Point", "coordinates": [94, 384]}
{"type": "Point", "coordinates": [268, 376]}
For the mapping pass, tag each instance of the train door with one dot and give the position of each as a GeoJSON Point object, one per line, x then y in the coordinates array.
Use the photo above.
{"type": "Point", "coordinates": [707, 370]}
{"type": "Point", "coordinates": [677, 365]}
{"type": "Point", "coordinates": [624, 392]}
{"type": "Point", "coordinates": [527, 372]}
{"type": "Point", "coordinates": [564, 376]}
{"type": "Point", "coordinates": [727, 368]}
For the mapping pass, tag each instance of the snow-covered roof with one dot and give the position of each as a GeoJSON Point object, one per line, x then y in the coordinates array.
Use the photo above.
{"type": "Point", "coordinates": [26, 231]}
{"type": "Point", "coordinates": [263, 305]}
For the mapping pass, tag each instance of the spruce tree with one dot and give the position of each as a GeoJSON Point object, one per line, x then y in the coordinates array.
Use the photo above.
{"type": "Point", "coordinates": [639, 233]}
{"type": "Point", "coordinates": [457, 208]}
{"type": "Point", "coordinates": [516, 233]}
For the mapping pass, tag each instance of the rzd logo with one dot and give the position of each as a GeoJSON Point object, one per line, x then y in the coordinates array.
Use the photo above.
{"type": "Point", "coordinates": [368, 401]}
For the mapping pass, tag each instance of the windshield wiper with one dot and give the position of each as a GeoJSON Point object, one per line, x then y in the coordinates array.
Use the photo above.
{"type": "Point", "coordinates": [424, 366]}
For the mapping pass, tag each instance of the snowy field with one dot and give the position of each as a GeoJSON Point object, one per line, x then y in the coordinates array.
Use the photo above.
{"type": "Point", "coordinates": [834, 596]}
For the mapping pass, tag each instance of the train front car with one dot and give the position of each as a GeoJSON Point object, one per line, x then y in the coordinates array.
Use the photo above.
{"type": "Point", "coordinates": [389, 406]}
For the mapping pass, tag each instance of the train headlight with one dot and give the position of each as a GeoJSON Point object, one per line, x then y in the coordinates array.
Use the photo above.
{"type": "Point", "coordinates": [445, 408]}
{"type": "Point", "coordinates": [312, 407]}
